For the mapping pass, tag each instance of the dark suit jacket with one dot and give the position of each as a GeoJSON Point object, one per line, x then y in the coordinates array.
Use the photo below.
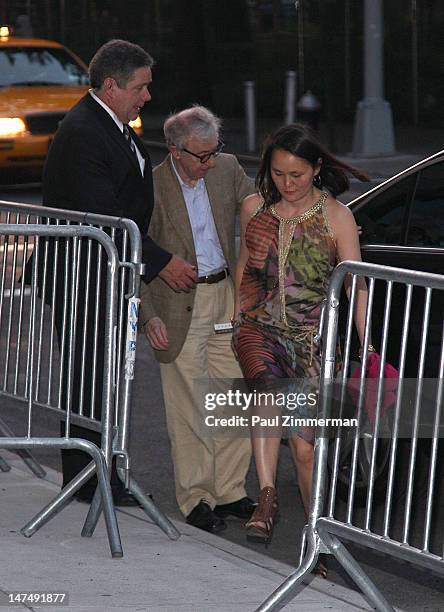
{"type": "Point", "coordinates": [90, 168]}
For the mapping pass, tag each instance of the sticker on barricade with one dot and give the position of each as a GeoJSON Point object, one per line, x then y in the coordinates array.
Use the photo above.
{"type": "Point", "coordinates": [131, 337]}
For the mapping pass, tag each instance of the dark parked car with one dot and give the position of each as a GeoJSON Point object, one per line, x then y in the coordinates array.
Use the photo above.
{"type": "Point", "coordinates": [402, 224]}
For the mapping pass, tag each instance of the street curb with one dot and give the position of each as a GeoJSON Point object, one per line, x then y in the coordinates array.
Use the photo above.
{"type": "Point", "coordinates": [53, 480]}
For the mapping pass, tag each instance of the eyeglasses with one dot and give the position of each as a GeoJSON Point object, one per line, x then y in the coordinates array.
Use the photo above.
{"type": "Point", "coordinates": [207, 156]}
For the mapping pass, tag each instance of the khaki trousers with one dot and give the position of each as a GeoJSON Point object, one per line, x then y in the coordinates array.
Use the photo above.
{"type": "Point", "coordinates": [206, 466]}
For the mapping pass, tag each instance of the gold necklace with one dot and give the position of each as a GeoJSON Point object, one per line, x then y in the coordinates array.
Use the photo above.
{"type": "Point", "coordinates": [284, 246]}
{"type": "Point", "coordinates": [306, 215]}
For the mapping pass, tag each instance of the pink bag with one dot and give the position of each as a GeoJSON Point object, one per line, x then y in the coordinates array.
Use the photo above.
{"type": "Point", "coordinates": [371, 385]}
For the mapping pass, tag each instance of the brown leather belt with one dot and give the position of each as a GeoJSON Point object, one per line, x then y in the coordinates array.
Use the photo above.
{"type": "Point", "coordinates": [214, 278]}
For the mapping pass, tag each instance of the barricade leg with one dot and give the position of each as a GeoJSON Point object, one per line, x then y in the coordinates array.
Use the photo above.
{"type": "Point", "coordinates": [108, 509]}
{"type": "Point", "coordinates": [154, 513]}
{"type": "Point", "coordinates": [25, 455]}
{"type": "Point", "coordinates": [59, 501]}
{"type": "Point", "coordinates": [99, 465]}
{"type": "Point", "coordinates": [146, 503]}
{"type": "Point", "coordinates": [92, 518]}
{"type": "Point", "coordinates": [29, 459]}
{"type": "Point", "coordinates": [95, 510]}
{"type": "Point", "coordinates": [4, 466]}
{"type": "Point", "coordinates": [355, 571]}
{"type": "Point", "coordinates": [287, 590]}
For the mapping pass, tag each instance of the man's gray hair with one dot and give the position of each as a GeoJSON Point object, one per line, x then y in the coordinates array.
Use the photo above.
{"type": "Point", "coordinates": [194, 122]}
{"type": "Point", "coordinates": [117, 59]}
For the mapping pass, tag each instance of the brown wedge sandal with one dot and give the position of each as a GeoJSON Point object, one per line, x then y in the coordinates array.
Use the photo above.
{"type": "Point", "coordinates": [260, 526]}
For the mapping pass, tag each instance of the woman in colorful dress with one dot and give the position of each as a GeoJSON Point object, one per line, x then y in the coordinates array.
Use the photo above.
{"type": "Point", "coordinates": [293, 233]}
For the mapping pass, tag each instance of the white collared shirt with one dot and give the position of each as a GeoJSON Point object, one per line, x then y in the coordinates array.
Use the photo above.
{"type": "Point", "coordinates": [209, 254]}
{"type": "Point", "coordinates": [119, 124]}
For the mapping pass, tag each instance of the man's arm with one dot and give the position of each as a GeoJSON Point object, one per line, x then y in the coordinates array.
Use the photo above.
{"type": "Point", "coordinates": [178, 274]}
{"type": "Point", "coordinates": [88, 187]}
{"type": "Point", "coordinates": [146, 311]}
{"type": "Point", "coordinates": [153, 327]}
{"type": "Point", "coordinates": [244, 185]}
{"type": "Point", "coordinates": [155, 259]}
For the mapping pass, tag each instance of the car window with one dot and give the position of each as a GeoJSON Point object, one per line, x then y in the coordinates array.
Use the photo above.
{"type": "Point", "coordinates": [381, 217]}
{"type": "Point", "coordinates": [426, 223]}
{"type": "Point", "coordinates": [33, 66]}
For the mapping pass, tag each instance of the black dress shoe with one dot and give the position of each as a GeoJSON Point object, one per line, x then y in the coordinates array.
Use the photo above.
{"type": "Point", "coordinates": [123, 499]}
{"type": "Point", "coordinates": [242, 509]}
{"type": "Point", "coordinates": [204, 518]}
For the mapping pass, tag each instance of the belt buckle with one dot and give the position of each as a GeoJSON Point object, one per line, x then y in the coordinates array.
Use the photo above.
{"type": "Point", "coordinates": [210, 279]}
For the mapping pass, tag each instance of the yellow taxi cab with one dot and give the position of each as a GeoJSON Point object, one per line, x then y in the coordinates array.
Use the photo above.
{"type": "Point", "coordinates": [40, 80]}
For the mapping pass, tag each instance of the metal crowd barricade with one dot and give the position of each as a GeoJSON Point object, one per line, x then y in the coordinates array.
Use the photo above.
{"type": "Point", "coordinates": [47, 391]}
{"type": "Point", "coordinates": [25, 331]}
{"type": "Point", "coordinates": [399, 428]}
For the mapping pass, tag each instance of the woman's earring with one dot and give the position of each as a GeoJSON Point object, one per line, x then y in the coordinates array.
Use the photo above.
{"type": "Point", "coordinates": [317, 180]}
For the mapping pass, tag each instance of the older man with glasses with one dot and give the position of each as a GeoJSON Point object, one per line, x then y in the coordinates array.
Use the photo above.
{"type": "Point", "coordinates": [197, 192]}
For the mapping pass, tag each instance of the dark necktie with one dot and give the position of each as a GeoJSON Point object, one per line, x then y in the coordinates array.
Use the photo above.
{"type": "Point", "coordinates": [129, 140]}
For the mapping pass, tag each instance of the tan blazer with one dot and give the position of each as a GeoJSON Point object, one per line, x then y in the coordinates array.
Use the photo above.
{"type": "Point", "coordinates": [227, 185]}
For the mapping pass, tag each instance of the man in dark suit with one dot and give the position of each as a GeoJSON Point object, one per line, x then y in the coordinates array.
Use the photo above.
{"type": "Point", "coordinates": [97, 164]}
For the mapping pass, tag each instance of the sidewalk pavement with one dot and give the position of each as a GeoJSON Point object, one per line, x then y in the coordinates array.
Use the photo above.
{"type": "Point", "coordinates": [412, 143]}
{"type": "Point", "coordinates": [197, 573]}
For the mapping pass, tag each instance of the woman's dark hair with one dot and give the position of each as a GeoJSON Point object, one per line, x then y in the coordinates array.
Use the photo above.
{"type": "Point", "coordinates": [298, 139]}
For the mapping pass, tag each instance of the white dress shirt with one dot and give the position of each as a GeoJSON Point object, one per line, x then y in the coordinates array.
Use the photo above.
{"type": "Point", "coordinates": [119, 124]}
{"type": "Point", "coordinates": [209, 254]}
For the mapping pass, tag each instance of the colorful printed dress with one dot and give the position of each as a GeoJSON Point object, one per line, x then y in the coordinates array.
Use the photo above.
{"type": "Point", "coordinates": [284, 283]}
